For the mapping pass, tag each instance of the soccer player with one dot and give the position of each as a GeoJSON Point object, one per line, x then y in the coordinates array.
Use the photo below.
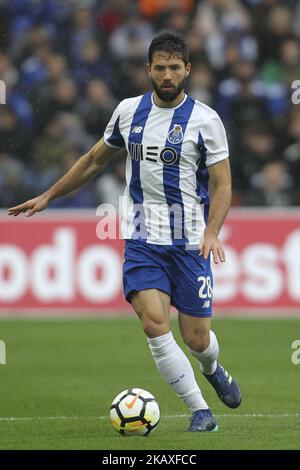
{"type": "Point", "coordinates": [171, 219]}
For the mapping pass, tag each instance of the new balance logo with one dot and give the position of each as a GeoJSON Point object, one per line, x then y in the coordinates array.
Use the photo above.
{"type": "Point", "coordinates": [137, 129]}
{"type": "Point", "coordinates": [206, 304]}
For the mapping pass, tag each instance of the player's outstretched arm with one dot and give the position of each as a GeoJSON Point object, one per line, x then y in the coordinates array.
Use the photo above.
{"type": "Point", "coordinates": [83, 170]}
{"type": "Point", "coordinates": [220, 189]}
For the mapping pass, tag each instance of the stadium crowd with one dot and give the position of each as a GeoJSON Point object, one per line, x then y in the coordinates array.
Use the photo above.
{"type": "Point", "coordinates": [67, 63]}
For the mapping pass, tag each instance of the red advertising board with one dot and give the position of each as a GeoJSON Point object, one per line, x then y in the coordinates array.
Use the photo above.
{"type": "Point", "coordinates": [262, 271]}
{"type": "Point", "coordinates": [55, 262]}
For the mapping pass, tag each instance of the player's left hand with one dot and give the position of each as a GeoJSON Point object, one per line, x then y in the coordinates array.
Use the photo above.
{"type": "Point", "coordinates": [211, 243]}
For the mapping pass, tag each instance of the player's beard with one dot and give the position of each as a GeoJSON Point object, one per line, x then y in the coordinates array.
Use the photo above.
{"type": "Point", "coordinates": [169, 95]}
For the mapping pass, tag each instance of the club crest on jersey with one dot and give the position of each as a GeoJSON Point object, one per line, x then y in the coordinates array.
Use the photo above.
{"type": "Point", "coordinates": [175, 136]}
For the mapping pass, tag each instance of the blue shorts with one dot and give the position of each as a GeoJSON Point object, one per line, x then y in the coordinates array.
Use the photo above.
{"type": "Point", "coordinates": [183, 274]}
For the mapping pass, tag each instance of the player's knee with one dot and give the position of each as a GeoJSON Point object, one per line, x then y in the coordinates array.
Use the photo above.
{"type": "Point", "coordinates": [154, 327]}
{"type": "Point", "coordinates": [197, 340]}
{"type": "Point", "coordinates": [155, 322]}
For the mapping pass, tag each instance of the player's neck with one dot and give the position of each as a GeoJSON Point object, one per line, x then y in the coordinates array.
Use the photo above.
{"type": "Point", "coordinates": [168, 104]}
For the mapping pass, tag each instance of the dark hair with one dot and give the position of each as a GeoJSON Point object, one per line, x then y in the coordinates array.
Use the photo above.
{"type": "Point", "coordinates": [170, 43]}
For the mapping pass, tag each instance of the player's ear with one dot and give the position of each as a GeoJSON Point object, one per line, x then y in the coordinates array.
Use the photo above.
{"type": "Point", "coordinates": [148, 67]}
{"type": "Point", "coordinates": [188, 69]}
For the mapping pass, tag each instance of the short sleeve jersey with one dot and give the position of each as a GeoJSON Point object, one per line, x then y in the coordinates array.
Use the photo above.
{"type": "Point", "coordinates": [166, 199]}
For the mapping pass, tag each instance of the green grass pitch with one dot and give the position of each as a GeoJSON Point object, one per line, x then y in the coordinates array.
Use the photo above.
{"type": "Point", "coordinates": [61, 376]}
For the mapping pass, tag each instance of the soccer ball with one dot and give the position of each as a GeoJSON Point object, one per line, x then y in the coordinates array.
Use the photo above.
{"type": "Point", "coordinates": [134, 412]}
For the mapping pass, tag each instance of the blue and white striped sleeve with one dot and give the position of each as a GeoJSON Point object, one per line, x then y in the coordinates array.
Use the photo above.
{"type": "Point", "coordinates": [215, 140]}
{"type": "Point", "coordinates": [112, 134]}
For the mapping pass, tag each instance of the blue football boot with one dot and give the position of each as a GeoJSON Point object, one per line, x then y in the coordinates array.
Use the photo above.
{"type": "Point", "coordinates": [203, 420]}
{"type": "Point", "coordinates": [227, 389]}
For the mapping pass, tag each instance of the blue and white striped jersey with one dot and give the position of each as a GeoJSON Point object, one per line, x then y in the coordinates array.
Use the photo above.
{"type": "Point", "coordinates": [168, 151]}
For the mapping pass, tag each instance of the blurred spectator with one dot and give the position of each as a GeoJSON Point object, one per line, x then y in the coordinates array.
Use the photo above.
{"type": "Point", "coordinates": [80, 198]}
{"type": "Point", "coordinates": [201, 84]}
{"type": "Point", "coordinates": [56, 70]}
{"type": "Point", "coordinates": [50, 147]}
{"type": "Point", "coordinates": [91, 64]}
{"type": "Point", "coordinates": [67, 63]}
{"type": "Point", "coordinates": [272, 186]}
{"type": "Point", "coordinates": [83, 29]}
{"type": "Point", "coordinates": [112, 15]}
{"type": "Point", "coordinates": [63, 98]}
{"type": "Point", "coordinates": [278, 27]}
{"type": "Point", "coordinates": [74, 132]}
{"type": "Point", "coordinates": [97, 108]}
{"type": "Point", "coordinates": [255, 148]}
{"type": "Point", "coordinates": [175, 20]}
{"type": "Point", "coordinates": [287, 67]}
{"type": "Point", "coordinates": [132, 39]}
{"type": "Point", "coordinates": [35, 37]}
{"type": "Point", "coordinates": [241, 95]}
{"type": "Point", "coordinates": [13, 139]}
{"type": "Point", "coordinates": [14, 185]}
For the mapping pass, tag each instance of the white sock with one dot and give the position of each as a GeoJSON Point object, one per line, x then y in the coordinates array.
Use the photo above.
{"type": "Point", "coordinates": [208, 357]}
{"type": "Point", "coordinates": [177, 371]}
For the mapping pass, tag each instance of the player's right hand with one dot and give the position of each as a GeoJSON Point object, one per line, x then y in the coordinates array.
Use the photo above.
{"type": "Point", "coordinates": [30, 207]}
